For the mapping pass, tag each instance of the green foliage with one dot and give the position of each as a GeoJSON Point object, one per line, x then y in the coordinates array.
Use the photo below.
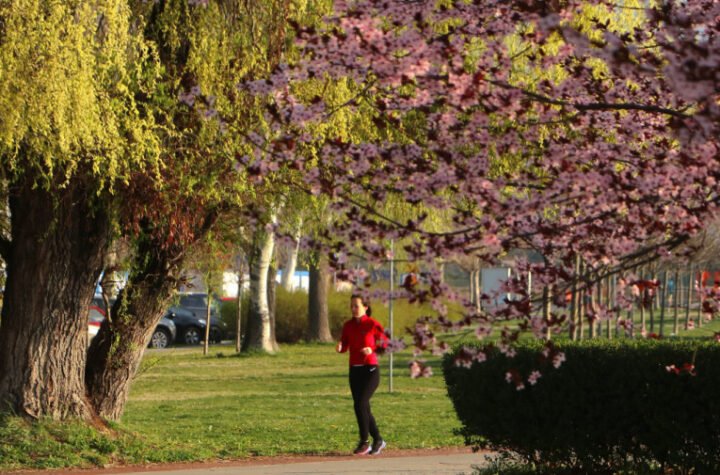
{"type": "Point", "coordinates": [69, 72]}
{"type": "Point", "coordinates": [610, 405]}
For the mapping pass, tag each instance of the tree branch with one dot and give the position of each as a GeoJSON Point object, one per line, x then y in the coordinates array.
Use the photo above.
{"type": "Point", "coordinates": [592, 105]}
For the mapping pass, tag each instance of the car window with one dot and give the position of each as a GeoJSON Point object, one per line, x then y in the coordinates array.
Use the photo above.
{"type": "Point", "coordinates": [193, 301]}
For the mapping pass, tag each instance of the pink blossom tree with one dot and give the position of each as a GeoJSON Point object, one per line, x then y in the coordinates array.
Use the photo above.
{"type": "Point", "coordinates": [577, 129]}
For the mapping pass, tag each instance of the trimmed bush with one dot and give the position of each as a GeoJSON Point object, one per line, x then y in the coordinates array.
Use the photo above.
{"type": "Point", "coordinates": [610, 406]}
{"type": "Point", "coordinates": [291, 320]}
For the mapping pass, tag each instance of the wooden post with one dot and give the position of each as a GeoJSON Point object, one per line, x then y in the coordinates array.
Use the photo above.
{"type": "Point", "coordinates": [472, 288]}
{"type": "Point", "coordinates": [238, 299]}
{"type": "Point", "coordinates": [663, 301]}
{"type": "Point", "coordinates": [652, 304]}
{"type": "Point", "coordinates": [574, 301]}
{"type": "Point", "coordinates": [591, 312]}
{"type": "Point", "coordinates": [608, 324]}
{"type": "Point", "coordinates": [701, 298]}
{"type": "Point", "coordinates": [642, 310]}
{"type": "Point", "coordinates": [600, 303]}
{"type": "Point", "coordinates": [688, 297]}
{"type": "Point", "coordinates": [547, 308]}
{"type": "Point", "coordinates": [581, 314]}
{"type": "Point", "coordinates": [478, 286]}
{"type": "Point", "coordinates": [675, 295]}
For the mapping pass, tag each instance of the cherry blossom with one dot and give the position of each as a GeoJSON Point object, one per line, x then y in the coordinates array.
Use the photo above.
{"type": "Point", "coordinates": [614, 166]}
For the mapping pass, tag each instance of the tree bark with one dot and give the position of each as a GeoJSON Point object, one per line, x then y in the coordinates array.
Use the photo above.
{"type": "Point", "coordinates": [291, 261]}
{"type": "Point", "coordinates": [318, 321]}
{"type": "Point", "coordinates": [272, 304]}
{"type": "Point", "coordinates": [115, 353]}
{"type": "Point", "coordinates": [238, 315]}
{"type": "Point", "coordinates": [208, 314]}
{"type": "Point", "coordinates": [54, 259]}
{"type": "Point", "coordinates": [259, 334]}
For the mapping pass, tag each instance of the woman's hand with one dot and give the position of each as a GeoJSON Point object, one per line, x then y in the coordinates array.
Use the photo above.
{"type": "Point", "coordinates": [339, 347]}
{"type": "Point", "coordinates": [367, 350]}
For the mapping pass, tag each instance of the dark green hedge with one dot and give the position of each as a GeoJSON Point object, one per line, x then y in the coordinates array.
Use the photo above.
{"type": "Point", "coordinates": [610, 405]}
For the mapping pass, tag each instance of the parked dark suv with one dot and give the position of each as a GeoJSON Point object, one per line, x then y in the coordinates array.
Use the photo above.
{"type": "Point", "coordinates": [189, 315]}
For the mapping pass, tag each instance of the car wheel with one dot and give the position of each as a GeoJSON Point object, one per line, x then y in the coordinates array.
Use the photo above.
{"type": "Point", "coordinates": [160, 338]}
{"type": "Point", "coordinates": [192, 336]}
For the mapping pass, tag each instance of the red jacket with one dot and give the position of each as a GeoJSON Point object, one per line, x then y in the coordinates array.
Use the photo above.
{"type": "Point", "coordinates": [358, 335]}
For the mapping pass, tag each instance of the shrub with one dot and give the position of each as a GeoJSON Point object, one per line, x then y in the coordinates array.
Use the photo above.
{"type": "Point", "coordinates": [610, 405]}
{"type": "Point", "coordinates": [292, 307]}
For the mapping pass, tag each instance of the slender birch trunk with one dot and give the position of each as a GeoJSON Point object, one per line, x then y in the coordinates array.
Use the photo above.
{"type": "Point", "coordinates": [291, 260]}
{"type": "Point", "coordinates": [259, 335]}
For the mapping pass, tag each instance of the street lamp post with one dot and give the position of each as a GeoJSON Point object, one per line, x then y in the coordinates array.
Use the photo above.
{"type": "Point", "coordinates": [392, 288]}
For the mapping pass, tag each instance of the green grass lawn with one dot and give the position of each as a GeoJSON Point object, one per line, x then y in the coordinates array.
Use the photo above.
{"type": "Point", "coordinates": [297, 401]}
{"type": "Point", "coordinates": [184, 406]}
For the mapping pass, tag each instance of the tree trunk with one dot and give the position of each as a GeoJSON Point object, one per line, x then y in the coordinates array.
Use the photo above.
{"type": "Point", "coordinates": [318, 322]}
{"type": "Point", "coordinates": [291, 261]}
{"type": "Point", "coordinates": [208, 314]}
{"type": "Point", "coordinates": [259, 335]}
{"type": "Point", "coordinates": [238, 333]}
{"type": "Point", "coordinates": [115, 353]}
{"type": "Point", "coordinates": [272, 304]}
{"type": "Point", "coordinates": [53, 262]}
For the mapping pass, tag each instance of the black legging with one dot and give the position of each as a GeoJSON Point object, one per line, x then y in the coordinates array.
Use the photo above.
{"type": "Point", "coordinates": [364, 381]}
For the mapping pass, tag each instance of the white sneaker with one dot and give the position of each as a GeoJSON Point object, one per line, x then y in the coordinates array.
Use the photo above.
{"type": "Point", "coordinates": [377, 447]}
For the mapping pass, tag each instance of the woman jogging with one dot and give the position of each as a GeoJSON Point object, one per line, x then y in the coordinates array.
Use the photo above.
{"type": "Point", "coordinates": [360, 336]}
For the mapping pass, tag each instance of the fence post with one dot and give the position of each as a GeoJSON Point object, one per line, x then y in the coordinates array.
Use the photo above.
{"type": "Point", "coordinates": [675, 295]}
{"type": "Point", "coordinates": [663, 301]}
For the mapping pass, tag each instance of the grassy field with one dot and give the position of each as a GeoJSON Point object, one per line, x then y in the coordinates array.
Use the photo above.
{"type": "Point", "coordinates": [184, 406]}
{"type": "Point", "coordinates": [297, 401]}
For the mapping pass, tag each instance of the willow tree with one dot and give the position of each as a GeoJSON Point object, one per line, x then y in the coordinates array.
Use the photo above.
{"type": "Point", "coordinates": [70, 132]}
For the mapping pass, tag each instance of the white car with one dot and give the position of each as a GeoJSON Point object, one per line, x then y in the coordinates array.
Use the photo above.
{"type": "Point", "coordinates": [95, 318]}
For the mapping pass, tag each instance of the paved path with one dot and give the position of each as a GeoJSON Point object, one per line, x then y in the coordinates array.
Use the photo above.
{"type": "Point", "coordinates": [417, 462]}
{"type": "Point", "coordinates": [426, 465]}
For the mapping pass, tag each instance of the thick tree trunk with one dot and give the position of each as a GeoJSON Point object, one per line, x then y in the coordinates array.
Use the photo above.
{"type": "Point", "coordinates": [258, 335]}
{"type": "Point", "coordinates": [291, 262]}
{"type": "Point", "coordinates": [53, 262]}
{"type": "Point", "coordinates": [115, 353]}
{"type": "Point", "coordinates": [318, 322]}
